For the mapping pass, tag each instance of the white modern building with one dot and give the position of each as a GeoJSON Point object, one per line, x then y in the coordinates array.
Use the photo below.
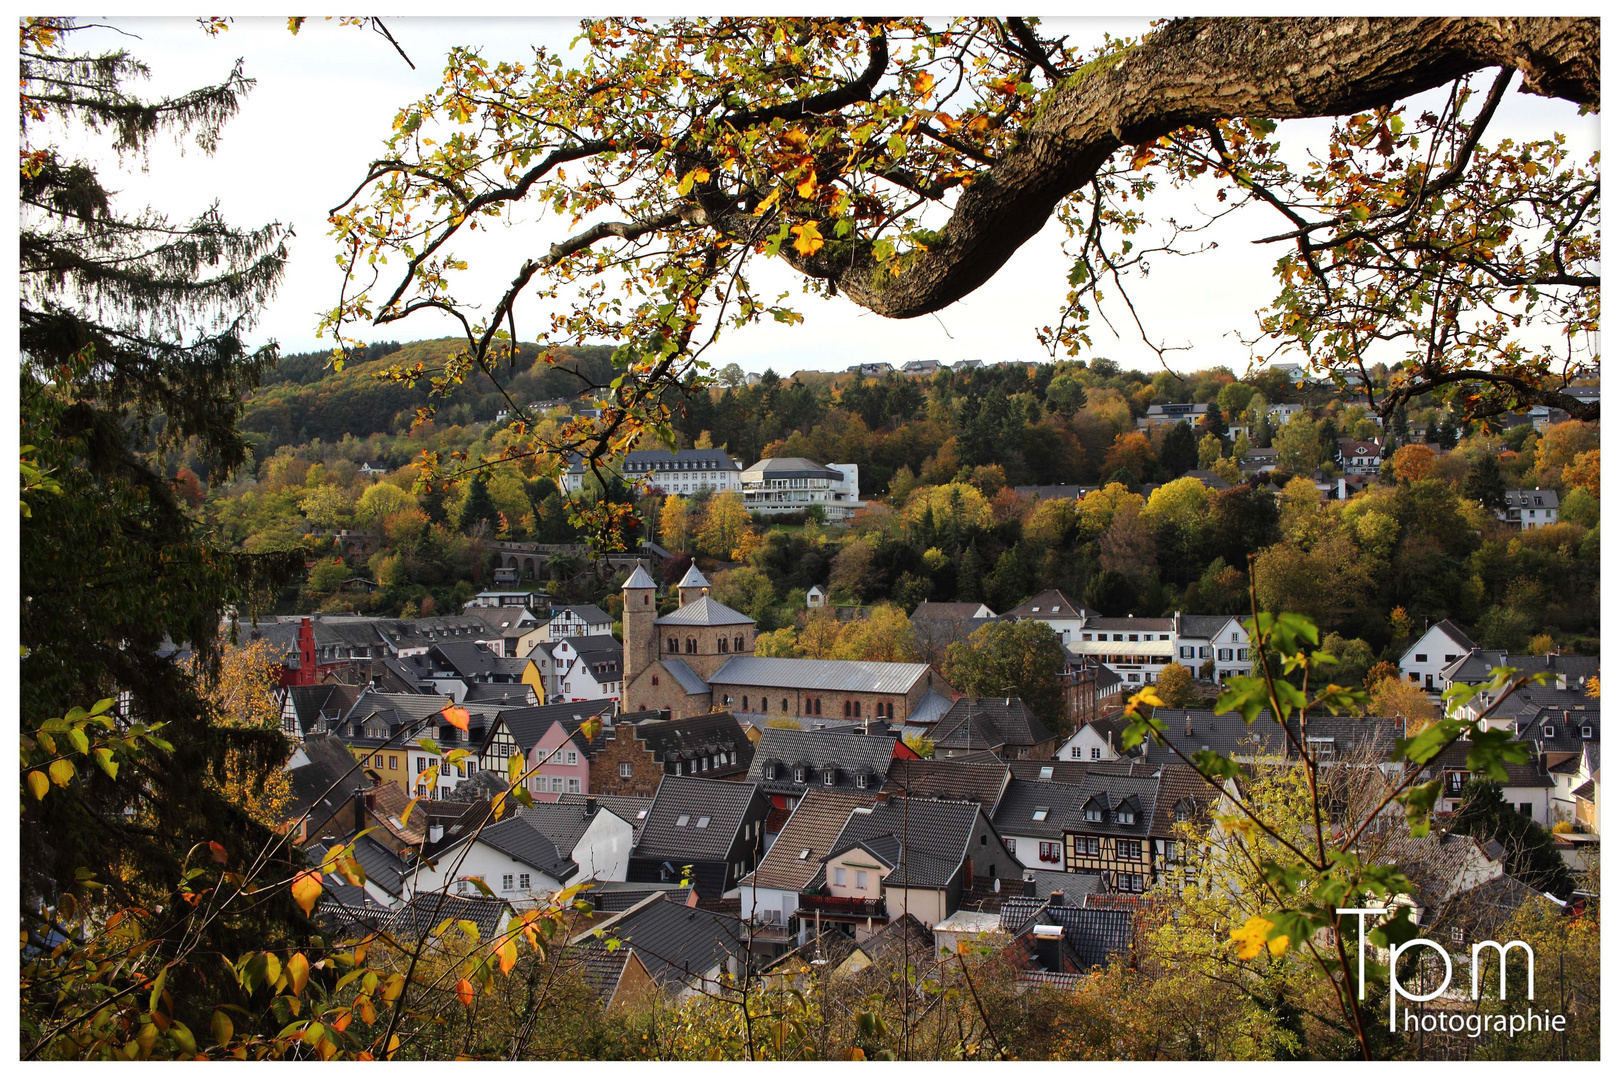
{"type": "Point", "coordinates": [1530, 509]}
{"type": "Point", "coordinates": [794, 485]}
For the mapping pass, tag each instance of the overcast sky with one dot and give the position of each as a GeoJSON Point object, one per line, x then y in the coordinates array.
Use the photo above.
{"type": "Point", "coordinates": [325, 101]}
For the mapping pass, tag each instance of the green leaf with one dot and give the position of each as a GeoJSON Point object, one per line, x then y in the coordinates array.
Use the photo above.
{"type": "Point", "coordinates": [80, 741]}
{"type": "Point", "coordinates": [1489, 751]}
{"type": "Point", "coordinates": [1215, 765]}
{"type": "Point", "coordinates": [1419, 803]}
{"type": "Point", "coordinates": [897, 145]}
{"type": "Point", "coordinates": [104, 758]}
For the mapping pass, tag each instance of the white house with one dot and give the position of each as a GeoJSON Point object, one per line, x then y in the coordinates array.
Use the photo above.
{"type": "Point", "coordinates": [1218, 638]}
{"type": "Point", "coordinates": [588, 668]}
{"type": "Point", "coordinates": [1284, 411]}
{"type": "Point", "coordinates": [679, 472]}
{"type": "Point", "coordinates": [815, 597]}
{"type": "Point", "coordinates": [794, 485]}
{"type": "Point", "coordinates": [1530, 509]}
{"type": "Point", "coordinates": [1055, 609]}
{"type": "Point", "coordinates": [1092, 742]}
{"type": "Point", "coordinates": [535, 852]}
{"type": "Point", "coordinates": [1437, 648]}
{"type": "Point", "coordinates": [580, 620]}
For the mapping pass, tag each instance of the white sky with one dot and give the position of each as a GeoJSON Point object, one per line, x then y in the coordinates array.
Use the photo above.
{"type": "Point", "coordinates": [325, 101]}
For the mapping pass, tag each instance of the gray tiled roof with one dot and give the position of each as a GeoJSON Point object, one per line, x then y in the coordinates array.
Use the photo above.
{"type": "Point", "coordinates": [423, 912]}
{"type": "Point", "coordinates": [952, 778]}
{"type": "Point", "coordinates": [724, 803]}
{"type": "Point", "coordinates": [640, 461]}
{"type": "Point", "coordinates": [682, 673]}
{"type": "Point", "coordinates": [1072, 886]}
{"type": "Point", "coordinates": [631, 808]}
{"type": "Point", "coordinates": [677, 944]}
{"type": "Point", "coordinates": [527, 724]}
{"type": "Point", "coordinates": [1203, 626]}
{"type": "Point", "coordinates": [1094, 934]}
{"type": "Point", "coordinates": [1009, 718]}
{"type": "Point", "coordinates": [704, 611]}
{"type": "Point", "coordinates": [1525, 497]}
{"type": "Point", "coordinates": [589, 614]}
{"type": "Point", "coordinates": [1061, 803]}
{"type": "Point", "coordinates": [689, 737]}
{"type": "Point", "coordinates": [852, 755]}
{"type": "Point", "coordinates": [810, 832]}
{"type": "Point", "coordinates": [522, 840]}
{"type": "Point", "coordinates": [936, 836]}
{"type": "Point", "coordinates": [931, 707]}
{"type": "Point", "coordinates": [1227, 734]}
{"type": "Point", "coordinates": [850, 676]}
{"type": "Point", "coordinates": [1051, 604]}
{"type": "Point", "coordinates": [787, 468]}
{"type": "Point", "coordinates": [1475, 666]}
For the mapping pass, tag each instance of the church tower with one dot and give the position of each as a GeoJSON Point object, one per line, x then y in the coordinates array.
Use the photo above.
{"type": "Point", "coordinates": [694, 586]}
{"type": "Point", "coordinates": [640, 633]}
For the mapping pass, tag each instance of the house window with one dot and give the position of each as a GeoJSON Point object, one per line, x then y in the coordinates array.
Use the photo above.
{"type": "Point", "coordinates": [523, 881]}
{"type": "Point", "coordinates": [377, 761]}
{"type": "Point", "coordinates": [624, 769]}
{"type": "Point", "coordinates": [838, 875]}
{"type": "Point", "coordinates": [860, 879]}
{"type": "Point", "coordinates": [655, 680]}
{"type": "Point", "coordinates": [770, 772]}
{"type": "Point", "coordinates": [1547, 732]}
{"type": "Point", "coordinates": [1093, 814]}
{"type": "Point", "coordinates": [1128, 849]}
{"type": "Point", "coordinates": [784, 704]}
{"type": "Point", "coordinates": [557, 784]}
{"type": "Point", "coordinates": [1527, 809]}
{"type": "Point", "coordinates": [1243, 654]}
{"type": "Point", "coordinates": [1224, 655]}
{"type": "Point", "coordinates": [1125, 817]}
{"type": "Point", "coordinates": [1051, 852]}
{"type": "Point", "coordinates": [573, 785]}
{"type": "Point", "coordinates": [798, 776]}
{"type": "Point", "coordinates": [737, 642]}
{"type": "Point", "coordinates": [421, 791]}
{"type": "Point", "coordinates": [1096, 753]}
{"type": "Point", "coordinates": [1078, 752]}
{"type": "Point", "coordinates": [1171, 851]}
{"type": "Point", "coordinates": [857, 708]}
{"type": "Point", "coordinates": [1012, 845]}
{"type": "Point", "coordinates": [1586, 731]}
{"type": "Point", "coordinates": [1422, 658]}
{"type": "Point", "coordinates": [734, 757]}
{"type": "Point", "coordinates": [1457, 934]}
{"type": "Point", "coordinates": [1087, 845]}
{"type": "Point", "coordinates": [745, 703]}
{"type": "Point", "coordinates": [678, 766]}
{"type": "Point", "coordinates": [1135, 884]}
{"type": "Point", "coordinates": [846, 708]}
{"type": "Point", "coordinates": [860, 780]}
{"type": "Point", "coordinates": [674, 645]}
{"type": "Point", "coordinates": [573, 757]}
{"type": "Point", "coordinates": [506, 882]}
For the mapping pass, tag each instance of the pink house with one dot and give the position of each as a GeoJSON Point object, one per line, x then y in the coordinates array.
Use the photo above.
{"type": "Point", "coordinates": [561, 764]}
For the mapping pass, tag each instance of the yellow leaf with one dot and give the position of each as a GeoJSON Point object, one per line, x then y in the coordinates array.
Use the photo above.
{"type": "Point", "coordinates": [38, 784]}
{"type": "Point", "coordinates": [61, 772]}
{"type": "Point", "coordinates": [306, 889]}
{"type": "Point", "coordinates": [700, 175]}
{"type": "Point", "coordinates": [807, 187]}
{"type": "Point", "coordinates": [1278, 945]}
{"type": "Point", "coordinates": [509, 954]}
{"type": "Point", "coordinates": [769, 201]}
{"type": "Point", "coordinates": [1251, 937]}
{"type": "Point", "coordinates": [923, 83]}
{"type": "Point", "coordinates": [297, 971]}
{"type": "Point", "coordinates": [809, 238]}
{"type": "Point", "coordinates": [497, 805]}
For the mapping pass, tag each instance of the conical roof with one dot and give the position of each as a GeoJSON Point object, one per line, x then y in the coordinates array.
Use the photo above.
{"type": "Point", "coordinates": [640, 579]}
{"type": "Point", "coordinates": [693, 579]}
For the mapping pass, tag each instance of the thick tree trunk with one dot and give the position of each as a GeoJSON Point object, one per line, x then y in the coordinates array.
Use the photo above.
{"type": "Point", "coordinates": [1198, 70]}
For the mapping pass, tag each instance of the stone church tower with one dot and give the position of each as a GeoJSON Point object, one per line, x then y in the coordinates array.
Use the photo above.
{"type": "Point", "coordinates": [640, 636]}
{"type": "Point", "coordinates": [668, 660]}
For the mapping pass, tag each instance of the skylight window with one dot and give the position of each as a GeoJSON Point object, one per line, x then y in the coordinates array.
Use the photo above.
{"type": "Point", "coordinates": [1046, 772]}
{"type": "Point", "coordinates": [680, 822]}
{"type": "Point", "coordinates": [703, 822]}
{"type": "Point", "coordinates": [805, 853]}
{"type": "Point", "coordinates": [1041, 812]}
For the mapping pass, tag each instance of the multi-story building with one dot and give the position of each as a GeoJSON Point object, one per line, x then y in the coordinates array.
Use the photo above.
{"type": "Point", "coordinates": [794, 485]}
{"type": "Point", "coordinates": [1134, 649]}
{"type": "Point", "coordinates": [1360, 457]}
{"type": "Point", "coordinates": [1530, 509]}
{"type": "Point", "coordinates": [678, 472]}
{"type": "Point", "coordinates": [1173, 413]}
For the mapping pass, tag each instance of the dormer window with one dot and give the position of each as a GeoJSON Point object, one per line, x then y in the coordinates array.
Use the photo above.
{"type": "Point", "coordinates": [1586, 731]}
{"type": "Point", "coordinates": [1094, 813]}
{"type": "Point", "coordinates": [798, 775]}
{"type": "Point", "coordinates": [1547, 732]}
{"type": "Point", "coordinates": [770, 772]}
{"type": "Point", "coordinates": [828, 776]}
{"type": "Point", "coordinates": [1125, 817]}
{"type": "Point", "coordinates": [860, 781]}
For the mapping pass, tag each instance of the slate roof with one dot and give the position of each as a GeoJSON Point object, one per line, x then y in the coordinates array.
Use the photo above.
{"type": "Point", "coordinates": [677, 944]}
{"type": "Point", "coordinates": [684, 676]}
{"type": "Point", "coordinates": [934, 609]}
{"type": "Point", "coordinates": [1051, 604]}
{"type": "Point", "coordinates": [1475, 666]}
{"type": "Point", "coordinates": [639, 579]}
{"type": "Point", "coordinates": [903, 942]}
{"type": "Point", "coordinates": [790, 748]}
{"type": "Point", "coordinates": [704, 611]}
{"type": "Point", "coordinates": [522, 839]}
{"type": "Point", "coordinates": [967, 732]}
{"type": "Point", "coordinates": [952, 778]}
{"type": "Point", "coordinates": [931, 707]}
{"type": "Point", "coordinates": [1073, 772]}
{"type": "Point", "coordinates": [1207, 478]}
{"type": "Point", "coordinates": [528, 724]}
{"type": "Point", "coordinates": [693, 579]}
{"type": "Point", "coordinates": [850, 676]}
{"type": "Point", "coordinates": [1452, 631]}
{"type": "Point", "coordinates": [383, 866]}
{"type": "Point", "coordinates": [788, 468]}
{"type": "Point", "coordinates": [1525, 498]}
{"type": "Point", "coordinates": [1437, 864]}
{"type": "Point", "coordinates": [1566, 725]}
{"type": "Point", "coordinates": [657, 461]}
{"type": "Point", "coordinates": [329, 780]}
{"type": "Point", "coordinates": [419, 915]}
{"type": "Point", "coordinates": [691, 737]}
{"type": "Point", "coordinates": [1040, 809]}
{"type": "Point", "coordinates": [1073, 886]}
{"type": "Point", "coordinates": [589, 614]}
{"type": "Point", "coordinates": [512, 695]}
{"type": "Point", "coordinates": [809, 834]}
{"type": "Point", "coordinates": [1094, 934]}
{"type": "Point", "coordinates": [937, 834]}
{"type": "Point", "coordinates": [724, 803]}
{"type": "Point", "coordinates": [1202, 627]}
{"type": "Point", "coordinates": [1139, 794]}
{"type": "Point", "coordinates": [325, 701]}
{"type": "Point", "coordinates": [631, 808]}
{"type": "Point", "coordinates": [1228, 734]}
{"type": "Point", "coordinates": [1009, 718]}
{"type": "Point", "coordinates": [468, 659]}
{"type": "Point", "coordinates": [1585, 791]}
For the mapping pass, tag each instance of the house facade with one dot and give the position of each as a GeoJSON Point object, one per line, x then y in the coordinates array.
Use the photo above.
{"type": "Point", "coordinates": [1530, 509]}
{"type": "Point", "coordinates": [794, 485]}
{"type": "Point", "coordinates": [1426, 659]}
{"type": "Point", "coordinates": [677, 472]}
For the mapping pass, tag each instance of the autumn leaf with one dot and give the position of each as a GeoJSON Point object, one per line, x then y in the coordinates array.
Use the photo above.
{"type": "Point", "coordinates": [807, 186]}
{"type": "Point", "coordinates": [217, 850]}
{"type": "Point", "coordinates": [38, 784]}
{"type": "Point", "coordinates": [809, 238]}
{"type": "Point", "coordinates": [297, 972]}
{"type": "Point", "coordinates": [508, 955]}
{"type": "Point", "coordinates": [306, 889]}
{"type": "Point", "coordinates": [1251, 937]}
{"type": "Point", "coordinates": [923, 83]}
{"type": "Point", "coordinates": [457, 717]}
{"type": "Point", "coordinates": [1143, 156]}
{"type": "Point", "coordinates": [464, 991]}
{"type": "Point", "coordinates": [61, 772]}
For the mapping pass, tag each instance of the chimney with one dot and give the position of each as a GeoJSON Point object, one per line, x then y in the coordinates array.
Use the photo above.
{"type": "Point", "coordinates": [590, 806]}
{"type": "Point", "coordinates": [1189, 725]}
{"type": "Point", "coordinates": [1049, 947]}
{"type": "Point", "coordinates": [1056, 899]}
{"type": "Point", "coordinates": [359, 802]}
{"type": "Point", "coordinates": [435, 833]}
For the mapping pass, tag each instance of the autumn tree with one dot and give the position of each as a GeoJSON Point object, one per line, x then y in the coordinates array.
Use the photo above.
{"type": "Point", "coordinates": [675, 527]}
{"type": "Point", "coordinates": [1412, 462]}
{"type": "Point", "coordinates": [725, 519]}
{"type": "Point", "coordinates": [1395, 696]}
{"type": "Point", "coordinates": [1175, 685]}
{"type": "Point", "coordinates": [1019, 659]}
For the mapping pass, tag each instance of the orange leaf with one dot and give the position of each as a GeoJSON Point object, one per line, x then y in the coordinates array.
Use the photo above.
{"type": "Point", "coordinates": [306, 889]}
{"type": "Point", "coordinates": [464, 991]}
{"type": "Point", "coordinates": [508, 955]}
{"type": "Point", "coordinates": [807, 187]}
{"type": "Point", "coordinates": [217, 850]}
{"type": "Point", "coordinates": [456, 716]}
{"type": "Point", "coordinates": [923, 83]}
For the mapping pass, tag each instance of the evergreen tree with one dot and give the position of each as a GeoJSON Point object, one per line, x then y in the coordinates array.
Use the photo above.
{"type": "Point", "coordinates": [1397, 428]}
{"type": "Point", "coordinates": [1448, 434]}
{"type": "Point", "coordinates": [1180, 450]}
{"type": "Point", "coordinates": [478, 507]}
{"type": "Point", "coordinates": [1484, 483]}
{"type": "Point", "coordinates": [133, 339]}
{"type": "Point", "coordinates": [1262, 431]}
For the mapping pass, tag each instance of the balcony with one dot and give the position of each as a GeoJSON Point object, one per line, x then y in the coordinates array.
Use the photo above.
{"type": "Point", "coordinates": [851, 906]}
